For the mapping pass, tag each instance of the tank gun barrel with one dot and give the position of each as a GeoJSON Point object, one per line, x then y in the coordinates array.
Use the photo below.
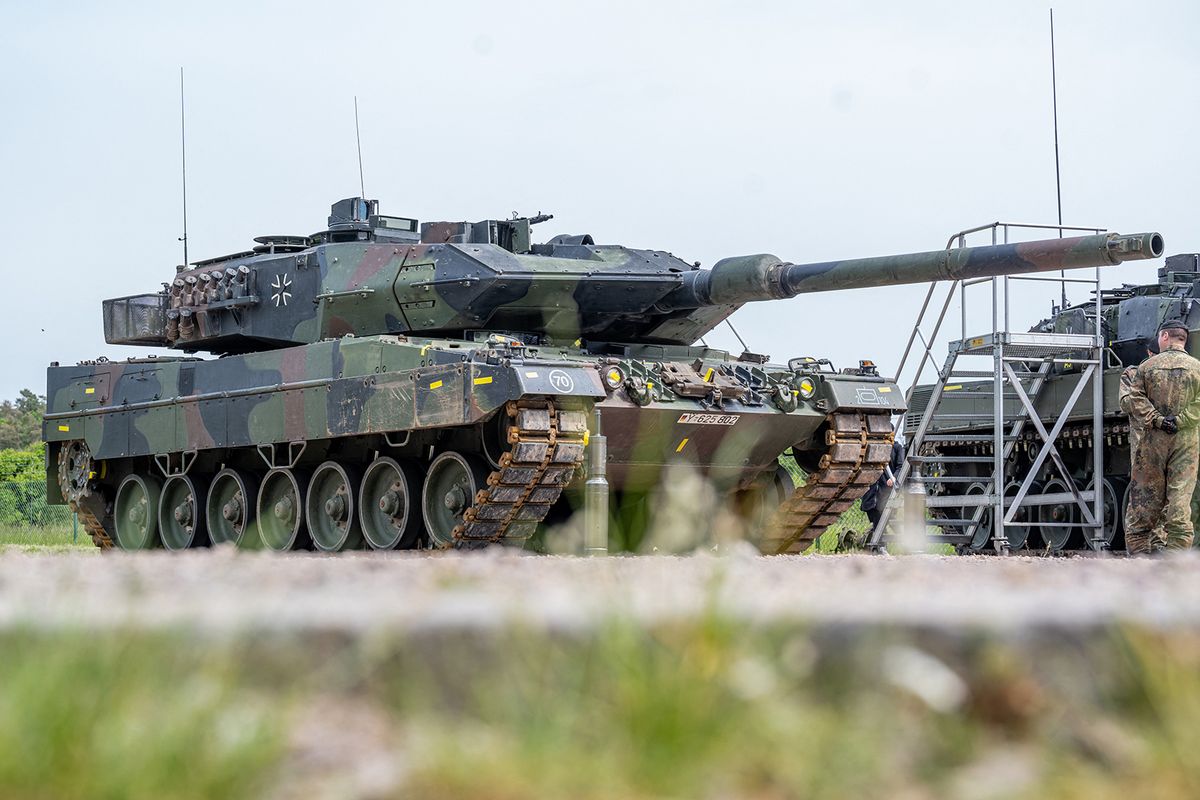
{"type": "Point", "coordinates": [763, 277]}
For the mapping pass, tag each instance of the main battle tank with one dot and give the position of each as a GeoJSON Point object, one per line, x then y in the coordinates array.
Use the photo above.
{"type": "Point", "coordinates": [388, 384]}
{"type": "Point", "coordinates": [1130, 318]}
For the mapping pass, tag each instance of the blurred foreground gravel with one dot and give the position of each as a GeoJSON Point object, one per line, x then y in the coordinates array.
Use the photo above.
{"type": "Point", "coordinates": [226, 591]}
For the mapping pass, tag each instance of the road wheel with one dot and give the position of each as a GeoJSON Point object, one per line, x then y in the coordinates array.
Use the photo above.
{"type": "Point", "coordinates": [1017, 532]}
{"type": "Point", "coordinates": [181, 514]}
{"type": "Point", "coordinates": [136, 512]}
{"type": "Point", "coordinates": [281, 510]}
{"type": "Point", "coordinates": [332, 508]}
{"type": "Point", "coordinates": [1112, 531]}
{"type": "Point", "coordinates": [450, 487]}
{"type": "Point", "coordinates": [983, 530]}
{"type": "Point", "coordinates": [230, 508]}
{"type": "Point", "coordinates": [388, 499]}
{"type": "Point", "coordinates": [1054, 536]}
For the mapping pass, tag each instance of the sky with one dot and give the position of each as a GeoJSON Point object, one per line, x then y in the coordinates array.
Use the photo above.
{"type": "Point", "coordinates": [813, 131]}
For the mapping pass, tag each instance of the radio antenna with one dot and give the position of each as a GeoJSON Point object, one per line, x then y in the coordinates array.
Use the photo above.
{"type": "Point", "coordinates": [358, 139]}
{"type": "Point", "coordinates": [1057, 173]}
{"type": "Point", "coordinates": [183, 160]}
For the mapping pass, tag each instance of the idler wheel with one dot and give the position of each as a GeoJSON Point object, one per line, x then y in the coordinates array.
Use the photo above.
{"type": "Point", "coordinates": [494, 437]}
{"type": "Point", "coordinates": [450, 487]}
{"type": "Point", "coordinates": [135, 512]}
{"type": "Point", "coordinates": [331, 508]}
{"type": "Point", "coordinates": [387, 502]}
{"type": "Point", "coordinates": [230, 508]}
{"type": "Point", "coordinates": [180, 514]}
{"type": "Point", "coordinates": [280, 510]}
{"type": "Point", "coordinates": [1017, 532]}
{"type": "Point", "coordinates": [1054, 535]}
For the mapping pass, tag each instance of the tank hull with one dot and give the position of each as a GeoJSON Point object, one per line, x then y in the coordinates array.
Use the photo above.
{"type": "Point", "coordinates": [356, 400]}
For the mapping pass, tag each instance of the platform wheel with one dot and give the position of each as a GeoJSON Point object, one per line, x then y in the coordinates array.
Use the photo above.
{"type": "Point", "coordinates": [450, 487]}
{"type": "Point", "coordinates": [389, 497]}
{"type": "Point", "coordinates": [332, 508]}
{"type": "Point", "coordinates": [181, 513]}
{"type": "Point", "coordinates": [280, 510]}
{"type": "Point", "coordinates": [230, 508]}
{"type": "Point", "coordinates": [135, 512]}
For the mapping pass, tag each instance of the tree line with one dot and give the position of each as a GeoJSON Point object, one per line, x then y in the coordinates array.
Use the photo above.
{"type": "Point", "coordinates": [22, 453]}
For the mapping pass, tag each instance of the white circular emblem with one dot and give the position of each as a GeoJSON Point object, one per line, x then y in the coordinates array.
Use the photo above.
{"type": "Point", "coordinates": [562, 381]}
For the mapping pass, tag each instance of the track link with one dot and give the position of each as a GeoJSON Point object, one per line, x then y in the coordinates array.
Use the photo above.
{"type": "Point", "coordinates": [860, 446]}
{"type": "Point", "coordinates": [547, 445]}
{"type": "Point", "coordinates": [92, 525]}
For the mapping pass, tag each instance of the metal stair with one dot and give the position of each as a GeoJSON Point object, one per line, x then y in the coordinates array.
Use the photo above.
{"type": "Point", "coordinates": [1019, 366]}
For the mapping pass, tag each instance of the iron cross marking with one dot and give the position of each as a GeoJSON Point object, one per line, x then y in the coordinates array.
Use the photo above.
{"type": "Point", "coordinates": [282, 286]}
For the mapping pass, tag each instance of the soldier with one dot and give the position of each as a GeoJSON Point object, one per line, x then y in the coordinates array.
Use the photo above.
{"type": "Point", "coordinates": [1163, 403]}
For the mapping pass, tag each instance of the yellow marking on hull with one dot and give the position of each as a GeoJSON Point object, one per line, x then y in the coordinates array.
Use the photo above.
{"type": "Point", "coordinates": [90, 390]}
{"type": "Point", "coordinates": [952, 388]}
{"type": "Point", "coordinates": [435, 385]}
{"type": "Point", "coordinates": [530, 374]}
{"type": "Point", "coordinates": [482, 381]}
{"type": "Point", "coordinates": [708, 375]}
{"type": "Point", "coordinates": [682, 445]}
{"type": "Point", "coordinates": [65, 428]}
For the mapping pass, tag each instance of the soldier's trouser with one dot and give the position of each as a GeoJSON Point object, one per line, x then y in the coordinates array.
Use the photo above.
{"type": "Point", "coordinates": [1162, 478]}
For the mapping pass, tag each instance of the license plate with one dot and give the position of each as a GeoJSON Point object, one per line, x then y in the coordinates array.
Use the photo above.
{"type": "Point", "coordinates": [707, 419]}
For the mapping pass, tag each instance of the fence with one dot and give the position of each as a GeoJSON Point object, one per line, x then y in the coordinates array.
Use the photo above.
{"type": "Point", "coordinates": [23, 503]}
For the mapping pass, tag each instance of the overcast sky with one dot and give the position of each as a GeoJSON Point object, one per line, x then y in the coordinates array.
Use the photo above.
{"type": "Point", "coordinates": [811, 131]}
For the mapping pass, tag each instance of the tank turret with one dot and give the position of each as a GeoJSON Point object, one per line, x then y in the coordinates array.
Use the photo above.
{"type": "Point", "coordinates": [370, 274]}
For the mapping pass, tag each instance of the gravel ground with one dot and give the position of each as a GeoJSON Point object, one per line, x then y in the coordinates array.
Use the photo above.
{"type": "Point", "coordinates": [224, 590]}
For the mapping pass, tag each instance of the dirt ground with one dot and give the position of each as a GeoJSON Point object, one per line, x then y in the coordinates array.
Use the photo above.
{"type": "Point", "coordinates": [224, 589]}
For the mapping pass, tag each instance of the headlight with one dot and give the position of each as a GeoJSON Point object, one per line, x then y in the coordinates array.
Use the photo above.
{"type": "Point", "coordinates": [807, 388]}
{"type": "Point", "coordinates": [614, 377]}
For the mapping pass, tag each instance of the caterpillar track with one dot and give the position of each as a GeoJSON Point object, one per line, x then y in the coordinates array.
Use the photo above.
{"type": "Point", "coordinates": [860, 445]}
{"type": "Point", "coordinates": [547, 445]}
{"type": "Point", "coordinates": [76, 489]}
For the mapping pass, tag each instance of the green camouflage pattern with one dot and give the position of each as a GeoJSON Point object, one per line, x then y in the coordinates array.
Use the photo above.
{"type": "Point", "coordinates": [376, 386]}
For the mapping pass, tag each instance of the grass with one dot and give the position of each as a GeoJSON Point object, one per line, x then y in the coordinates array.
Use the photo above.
{"type": "Point", "coordinates": [709, 709]}
{"type": "Point", "coordinates": [50, 537]}
{"type": "Point", "coordinates": [697, 709]}
{"type": "Point", "coordinates": [129, 716]}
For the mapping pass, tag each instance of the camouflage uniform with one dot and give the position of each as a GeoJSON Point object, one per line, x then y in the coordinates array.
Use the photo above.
{"type": "Point", "coordinates": [1163, 472]}
{"type": "Point", "coordinates": [1140, 544]}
